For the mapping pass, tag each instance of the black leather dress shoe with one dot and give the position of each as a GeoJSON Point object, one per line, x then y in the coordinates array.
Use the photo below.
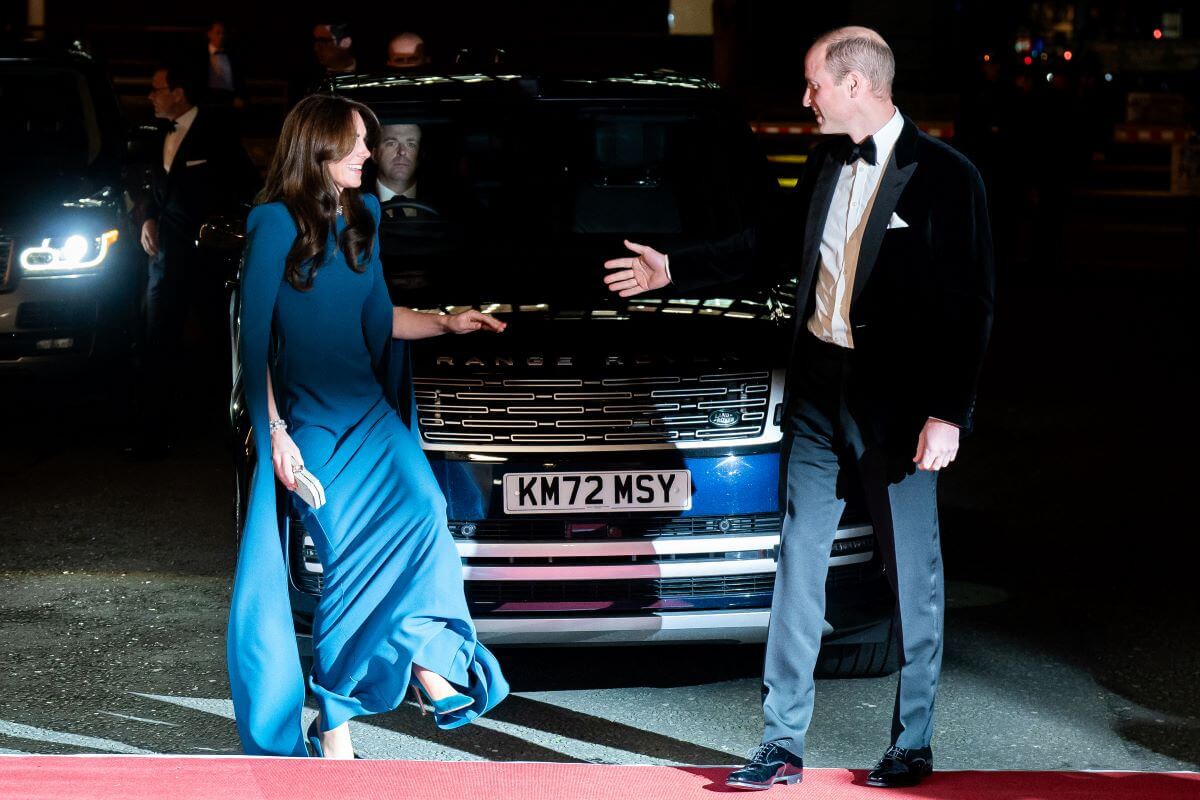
{"type": "Point", "coordinates": [770, 764]}
{"type": "Point", "coordinates": [900, 767]}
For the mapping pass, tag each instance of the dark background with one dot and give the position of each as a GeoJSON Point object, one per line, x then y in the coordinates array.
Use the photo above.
{"type": "Point", "coordinates": [1074, 497]}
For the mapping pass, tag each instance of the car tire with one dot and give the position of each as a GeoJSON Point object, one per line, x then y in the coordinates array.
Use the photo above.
{"type": "Point", "coordinates": [862, 659]}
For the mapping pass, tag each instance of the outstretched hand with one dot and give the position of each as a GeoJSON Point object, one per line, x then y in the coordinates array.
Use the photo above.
{"type": "Point", "coordinates": [641, 273]}
{"type": "Point", "coordinates": [469, 321]}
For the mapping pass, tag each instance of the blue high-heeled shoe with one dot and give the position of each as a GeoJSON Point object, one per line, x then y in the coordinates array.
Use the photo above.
{"type": "Point", "coordinates": [455, 702]}
{"type": "Point", "coordinates": [314, 740]}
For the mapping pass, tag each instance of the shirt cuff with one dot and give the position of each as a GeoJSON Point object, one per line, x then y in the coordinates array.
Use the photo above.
{"type": "Point", "coordinates": [667, 267]}
{"type": "Point", "coordinates": [946, 422]}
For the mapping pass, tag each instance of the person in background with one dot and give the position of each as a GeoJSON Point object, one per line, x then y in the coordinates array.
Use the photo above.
{"type": "Point", "coordinates": [333, 50]}
{"type": "Point", "coordinates": [407, 51]}
{"type": "Point", "coordinates": [226, 85]}
{"type": "Point", "coordinates": [200, 168]}
{"type": "Point", "coordinates": [397, 158]}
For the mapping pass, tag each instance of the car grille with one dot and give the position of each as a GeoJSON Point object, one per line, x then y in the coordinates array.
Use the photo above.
{"type": "Point", "coordinates": [614, 526]}
{"type": "Point", "coordinates": [6, 261]}
{"type": "Point", "coordinates": [666, 409]}
{"type": "Point", "coordinates": [618, 591]}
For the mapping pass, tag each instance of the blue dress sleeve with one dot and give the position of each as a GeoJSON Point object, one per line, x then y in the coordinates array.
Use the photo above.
{"type": "Point", "coordinates": [264, 666]}
{"type": "Point", "coordinates": [390, 357]}
{"type": "Point", "coordinates": [377, 309]}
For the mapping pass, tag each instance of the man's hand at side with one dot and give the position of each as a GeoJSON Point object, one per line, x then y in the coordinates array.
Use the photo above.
{"type": "Point", "coordinates": [937, 445]}
{"type": "Point", "coordinates": [641, 273]}
{"type": "Point", "coordinates": [150, 237]}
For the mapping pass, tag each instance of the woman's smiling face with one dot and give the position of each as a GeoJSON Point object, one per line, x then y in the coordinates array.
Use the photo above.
{"type": "Point", "coordinates": [346, 173]}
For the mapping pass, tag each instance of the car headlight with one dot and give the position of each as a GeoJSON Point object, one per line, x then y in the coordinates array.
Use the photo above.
{"type": "Point", "coordinates": [74, 253]}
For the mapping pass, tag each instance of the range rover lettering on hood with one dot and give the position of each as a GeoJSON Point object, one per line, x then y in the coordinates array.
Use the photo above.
{"type": "Point", "coordinates": [608, 360]}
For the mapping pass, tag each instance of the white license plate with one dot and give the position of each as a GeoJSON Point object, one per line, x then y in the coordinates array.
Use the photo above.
{"type": "Point", "coordinates": [566, 492]}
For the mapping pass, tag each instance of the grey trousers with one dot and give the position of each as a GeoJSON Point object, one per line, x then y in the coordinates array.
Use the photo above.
{"type": "Point", "coordinates": [828, 448]}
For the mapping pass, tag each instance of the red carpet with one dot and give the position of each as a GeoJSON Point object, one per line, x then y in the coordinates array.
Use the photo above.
{"type": "Point", "coordinates": [221, 778]}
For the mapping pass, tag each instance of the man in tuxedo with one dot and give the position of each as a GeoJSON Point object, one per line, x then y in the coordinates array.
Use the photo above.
{"type": "Point", "coordinates": [200, 168]}
{"type": "Point", "coordinates": [893, 253]}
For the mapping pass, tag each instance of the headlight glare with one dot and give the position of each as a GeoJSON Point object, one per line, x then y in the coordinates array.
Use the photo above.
{"type": "Point", "coordinates": [75, 249]}
{"type": "Point", "coordinates": [73, 253]}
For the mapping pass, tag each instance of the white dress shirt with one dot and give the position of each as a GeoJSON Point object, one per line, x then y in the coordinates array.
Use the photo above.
{"type": "Point", "coordinates": [852, 197]}
{"type": "Point", "coordinates": [220, 70]}
{"type": "Point", "coordinates": [386, 194]}
{"type": "Point", "coordinates": [183, 124]}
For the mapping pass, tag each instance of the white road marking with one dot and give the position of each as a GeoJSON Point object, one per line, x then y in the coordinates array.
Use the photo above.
{"type": "Point", "coordinates": [138, 719]}
{"type": "Point", "coordinates": [371, 741]}
{"type": "Point", "coordinates": [18, 731]}
{"type": "Point", "coordinates": [574, 748]}
{"type": "Point", "coordinates": [209, 705]}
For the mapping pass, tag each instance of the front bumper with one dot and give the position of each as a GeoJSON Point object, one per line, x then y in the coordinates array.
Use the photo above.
{"type": "Point", "coordinates": [676, 627]}
{"type": "Point", "coordinates": [63, 322]}
{"type": "Point", "coordinates": [672, 590]}
{"type": "Point", "coordinates": [702, 575]}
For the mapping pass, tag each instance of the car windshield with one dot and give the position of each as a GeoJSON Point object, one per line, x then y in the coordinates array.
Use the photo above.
{"type": "Point", "coordinates": [527, 200]}
{"type": "Point", "coordinates": [48, 116]}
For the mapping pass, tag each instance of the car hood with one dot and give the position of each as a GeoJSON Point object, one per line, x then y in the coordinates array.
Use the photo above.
{"type": "Point", "coordinates": [44, 193]}
{"type": "Point", "coordinates": [630, 338]}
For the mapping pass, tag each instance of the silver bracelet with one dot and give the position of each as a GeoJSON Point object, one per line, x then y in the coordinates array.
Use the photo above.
{"type": "Point", "coordinates": [276, 425]}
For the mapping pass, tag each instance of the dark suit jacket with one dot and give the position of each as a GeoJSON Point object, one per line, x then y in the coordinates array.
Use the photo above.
{"type": "Point", "coordinates": [921, 304]}
{"type": "Point", "coordinates": [211, 172]}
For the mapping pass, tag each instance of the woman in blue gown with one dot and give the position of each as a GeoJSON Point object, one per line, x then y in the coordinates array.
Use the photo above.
{"type": "Point", "coordinates": [318, 341]}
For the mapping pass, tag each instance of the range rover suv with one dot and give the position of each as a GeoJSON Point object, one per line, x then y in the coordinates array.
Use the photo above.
{"type": "Point", "coordinates": [70, 264]}
{"type": "Point", "coordinates": [611, 467]}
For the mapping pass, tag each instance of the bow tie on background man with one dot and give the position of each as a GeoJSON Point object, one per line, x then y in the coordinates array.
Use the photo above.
{"type": "Point", "coordinates": [864, 150]}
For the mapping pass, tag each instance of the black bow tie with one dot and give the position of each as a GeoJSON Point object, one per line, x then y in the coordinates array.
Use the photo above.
{"type": "Point", "coordinates": [864, 150]}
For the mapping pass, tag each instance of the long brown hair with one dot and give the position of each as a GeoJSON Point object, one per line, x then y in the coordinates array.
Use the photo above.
{"type": "Point", "coordinates": [318, 130]}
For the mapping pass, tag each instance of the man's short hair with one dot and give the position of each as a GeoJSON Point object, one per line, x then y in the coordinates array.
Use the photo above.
{"type": "Point", "coordinates": [860, 50]}
{"type": "Point", "coordinates": [185, 75]}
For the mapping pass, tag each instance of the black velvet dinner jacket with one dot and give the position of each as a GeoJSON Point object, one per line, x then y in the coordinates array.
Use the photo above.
{"type": "Point", "coordinates": [210, 171]}
{"type": "Point", "coordinates": [923, 295]}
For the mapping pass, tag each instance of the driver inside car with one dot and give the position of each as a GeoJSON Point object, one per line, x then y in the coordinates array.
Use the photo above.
{"type": "Point", "coordinates": [397, 158]}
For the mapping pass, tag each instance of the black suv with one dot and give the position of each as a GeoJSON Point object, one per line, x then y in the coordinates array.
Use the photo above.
{"type": "Point", "coordinates": [70, 262]}
{"type": "Point", "coordinates": [611, 467]}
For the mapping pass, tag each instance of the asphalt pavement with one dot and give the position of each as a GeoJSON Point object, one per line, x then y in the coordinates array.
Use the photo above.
{"type": "Point", "coordinates": [1072, 638]}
